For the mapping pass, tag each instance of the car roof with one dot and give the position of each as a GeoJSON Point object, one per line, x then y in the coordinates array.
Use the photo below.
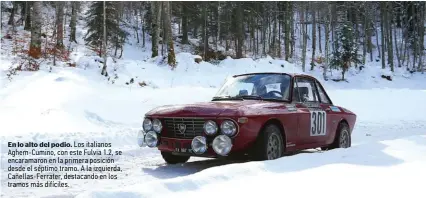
{"type": "Point", "coordinates": [291, 74]}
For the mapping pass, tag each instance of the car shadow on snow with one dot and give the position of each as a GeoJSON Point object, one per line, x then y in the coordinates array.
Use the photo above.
{"type": "Point", "coordinates": [177, 170]}
{"type": "Point", "coordinates": [167, 171]}
{"type": "Point", "coordinates": [361, 155]}
{"type": "Point", "coordinates": [371, 154]}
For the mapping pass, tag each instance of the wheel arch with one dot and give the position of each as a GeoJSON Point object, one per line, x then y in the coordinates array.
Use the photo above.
{"type": "Point", "coordinates": [342, 121]}
{"type": "Point", "coordinates": [279, 124]}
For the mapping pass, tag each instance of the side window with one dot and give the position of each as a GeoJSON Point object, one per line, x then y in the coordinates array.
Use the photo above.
{"type": "Point", "coordinates": [322, 94]}
{"type": "Point", "coordinates": [305, 90]}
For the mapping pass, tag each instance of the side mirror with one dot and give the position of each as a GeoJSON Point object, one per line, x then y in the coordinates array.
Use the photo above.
{"type": "Point", "coordinates": [243, 93]}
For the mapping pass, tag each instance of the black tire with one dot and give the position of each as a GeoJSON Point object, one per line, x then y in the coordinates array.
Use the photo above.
{"type": "Point", "coordinates": [174, 159]}
{"type": "Point", "coordinates": [269, 144]}
{"type": "Point", "coordinates": [343, 138]}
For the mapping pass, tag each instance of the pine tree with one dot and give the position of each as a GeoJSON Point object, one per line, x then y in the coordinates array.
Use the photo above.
{"type": "Point", "coordinates": [94, 37]}
{"type": "Point", "coordinates": [346, 53]}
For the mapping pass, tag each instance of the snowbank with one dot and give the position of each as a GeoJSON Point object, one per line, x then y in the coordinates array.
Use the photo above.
{"type": "Point", "coordinates": [373, 169]}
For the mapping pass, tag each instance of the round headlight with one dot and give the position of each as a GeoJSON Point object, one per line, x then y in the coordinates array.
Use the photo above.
{"type": "Point", "coordinates": [151, 139]}
{"type": "Point", "coordinates": [147, 125]}
{"type": "Point", "coordinates": [141, 140]}
{"type": "Point", "coordinates": [228, 128]}
{"type": "Point", "coordinates": [210, 127]}
{"type": "Point", "coordinates": [199, 145]}
{"type": "Point", "coordinates": [222, 145]}
{"type": "Point", "coordinates": [156, 124]}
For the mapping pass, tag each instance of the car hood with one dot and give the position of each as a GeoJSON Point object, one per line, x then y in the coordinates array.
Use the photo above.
{"type": "Point", "coordinates": [219, 108]}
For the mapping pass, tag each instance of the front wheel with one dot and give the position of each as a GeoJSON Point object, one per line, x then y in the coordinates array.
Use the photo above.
{"type": "Point", "coordinates": [269, 145]}
{"type": "Point", "coordinates": [174, 159]}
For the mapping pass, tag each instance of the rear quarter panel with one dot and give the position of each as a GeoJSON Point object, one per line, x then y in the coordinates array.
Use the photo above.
{"type": "Point", "coordinates": [350, 117]}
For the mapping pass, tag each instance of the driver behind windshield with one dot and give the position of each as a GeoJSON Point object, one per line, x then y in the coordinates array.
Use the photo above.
{"type": "Point", "coordinates": [261, 90]}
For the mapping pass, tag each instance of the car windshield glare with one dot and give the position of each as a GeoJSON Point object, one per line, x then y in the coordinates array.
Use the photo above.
{"type": "Point", "coordinates": [256, 87]}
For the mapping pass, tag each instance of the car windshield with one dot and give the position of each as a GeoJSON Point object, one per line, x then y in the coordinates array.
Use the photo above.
{"type": "Point", "coordinates": [256, 87]}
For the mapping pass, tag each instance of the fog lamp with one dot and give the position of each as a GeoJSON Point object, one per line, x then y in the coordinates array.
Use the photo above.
{"type": "Point", "coordinates": [151, 139]}
{"type": "Point", "coordinates": [222, 145]}
{"type": "Point", "coordinates": [199, 145]}
{"type": "Point", "coordinates": [141, 138]}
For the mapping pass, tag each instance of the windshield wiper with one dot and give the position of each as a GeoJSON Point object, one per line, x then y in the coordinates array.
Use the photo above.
{"type": "Point", "coordinates": [249, 97]}
{"type": "Point", "coordinates": [222, 97]}
{"type": "Point", "coordinates": [259, 98]}
{"type": "Point", "coordinates": [237, 97]}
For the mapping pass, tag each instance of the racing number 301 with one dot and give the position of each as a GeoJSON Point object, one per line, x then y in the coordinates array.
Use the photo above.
{"type": "Point", "coordinates": [318, 123]}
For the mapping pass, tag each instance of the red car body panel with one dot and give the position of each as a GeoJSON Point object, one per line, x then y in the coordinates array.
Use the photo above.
{"type": "Point", "coordinates": [293, 118]}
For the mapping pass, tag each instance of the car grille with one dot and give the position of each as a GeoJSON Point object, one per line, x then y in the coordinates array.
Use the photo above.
{"type": "Point", "coordinates": [194, 127]}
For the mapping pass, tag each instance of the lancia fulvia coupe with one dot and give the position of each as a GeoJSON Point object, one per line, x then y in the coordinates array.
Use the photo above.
{"type": "Point", "coordinates": [262, 116]}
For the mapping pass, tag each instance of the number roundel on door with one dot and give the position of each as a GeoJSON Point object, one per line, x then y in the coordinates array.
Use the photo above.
{"type": "Point", "coordinates": [318, 123]}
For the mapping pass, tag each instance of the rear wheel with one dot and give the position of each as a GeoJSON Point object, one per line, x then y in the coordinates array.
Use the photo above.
{"type": "Point", "coordinates": [174, 159]}
{"type": "Point", "coordinates": [343, 138]}
{"type": "Point", "coordinates": [269, 145]}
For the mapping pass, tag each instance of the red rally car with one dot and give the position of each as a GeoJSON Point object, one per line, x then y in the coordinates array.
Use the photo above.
{"type": "Point", "coordinates": [260, 115]}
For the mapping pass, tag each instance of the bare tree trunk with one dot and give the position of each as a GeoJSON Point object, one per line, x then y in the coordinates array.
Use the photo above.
{"type": "Point", "coordinates": [279, 37]}
{"type": "Point", "coordinates": [73, 21]}
{"type": "Point", "coordinates": [60, 24]}
{"type": "Point", "coordinates": [240, 32]}
{"type": "Point", "coordinates": [137, 26]}
{"type": "Point", "coordinates": [421, 33]}
{"type": "Point", "coordinates": [264, 26]}
{"type": "Point", "coordinates": [314, 24]}
{"type": "Point", "coordinates": [27, 15]}
{"type": "Point", "coordinates": [377, 39]}
{"type": "Point", "coordinates": [389, 37]}
{"type": "Point", "coordinates": [205, 35]}
{"type": "Point", "coordinates": [397, 51]}
{"type": "Point", "coordinates": [327, 42]}
{"type": "Point", "coordinates": [104, 72]}
{"type": "Point", "coordinates": [12, 14]}
{"type": "Point", "coordinates": [171, 58]}
{"type": "Point", "coordinates": [364, 46]}
{"type": "Point", "coordinates": [143, 27]}
{"type": "Point", "coordinates": [184, 23]}
{"type": "Point", "coordinates": [272, 47]}
{"type": "Point", "coordinates": [287, 19]}
{"type": "Point", "coordinates": [292, 30]}
{"type": "Point", "coordinates": [35, 45]}
{"type": "Point", "coordinates": [156, 20]}
{"type": "Point", "coordinates": [382, 30]}
{"type": "Point", "coordinates": [218, 24]}
{"type": "Point", "coordinates": [319, 33]}
{"type": "Point", "coordinates": [305, 39]}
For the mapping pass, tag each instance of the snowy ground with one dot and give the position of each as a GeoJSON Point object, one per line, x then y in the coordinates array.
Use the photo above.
{"type": "Point", "coordinates": [387, 158]}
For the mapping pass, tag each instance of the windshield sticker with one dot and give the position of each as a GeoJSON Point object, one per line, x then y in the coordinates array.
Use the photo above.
{"type": "Point", "coordinates": [334, 109]}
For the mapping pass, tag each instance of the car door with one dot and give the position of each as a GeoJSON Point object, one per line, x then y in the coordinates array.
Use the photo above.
{"type": "Point", "coordinates": [332, 113]}
{"type": "Point", "coordinates": [312, 115]}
